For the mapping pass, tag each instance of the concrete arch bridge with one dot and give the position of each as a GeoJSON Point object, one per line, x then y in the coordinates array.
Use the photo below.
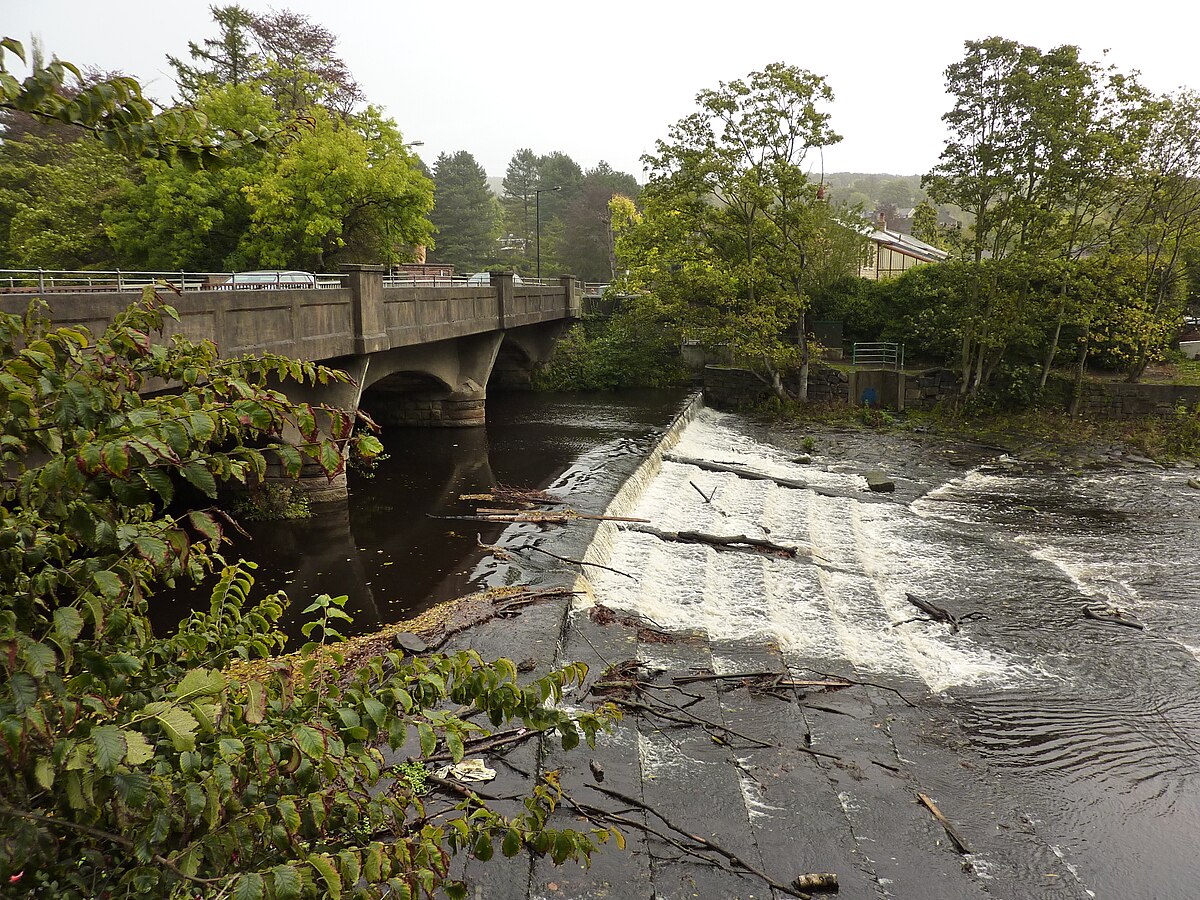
{"type": "Point", "coordinates": [416, 355]}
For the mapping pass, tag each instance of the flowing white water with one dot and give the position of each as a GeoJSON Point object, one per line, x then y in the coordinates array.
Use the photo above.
{"type": "Point", "coordinates": [842, 598]}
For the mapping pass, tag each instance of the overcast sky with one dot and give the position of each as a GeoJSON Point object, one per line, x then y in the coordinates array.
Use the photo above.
{"type": "Point", "coordinates": [604, 80]}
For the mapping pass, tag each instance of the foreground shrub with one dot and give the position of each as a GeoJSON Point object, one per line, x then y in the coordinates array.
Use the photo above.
{"type": "Point", "coordinates": [191, 764]}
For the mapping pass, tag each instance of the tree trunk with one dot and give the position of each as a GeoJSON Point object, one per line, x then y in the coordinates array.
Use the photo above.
{"type": "Point", "coordinates": [612, 247]}
{"type": "Point", "coordinates": [1051, 351]}
{"type": "Point", "coordinates": [804, 359]}
{"type": "Point", "coordinates": [1080, 367]}
{"type": "Point", "coordinates": [965, 384]}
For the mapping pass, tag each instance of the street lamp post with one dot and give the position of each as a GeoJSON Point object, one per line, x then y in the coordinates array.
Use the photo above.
{"type": "Point", "coordinates": [537, 209]}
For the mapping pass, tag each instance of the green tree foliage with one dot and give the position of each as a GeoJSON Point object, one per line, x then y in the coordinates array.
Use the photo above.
{"type": "Point", "coordinates": [288, 58]}
{"type": "Point", "coordinates": [925, 224]}
{"type": "Point", "coordinates": [140, 763]}
{"type": "Point", "coordinates": [54, 208]}
{"type": "Point", "coordinates": [465, 213]}
{"type": "Point", "coordinates": [343, 191]}
{"type": "Point", "coordinates": [114, 110]}
{"type": "Point", "coordinates": [733, 237]}
{"type": "Point", "coordinates": [1042, 146]}
{"type": "Point", "coordinates": [169, 218]}
{"type": "Point", "coordinates": [1163, 224]}
{"type": "Point", "coordinates": [289, 184]}
{"type": "Point", "coordinates": [587, 248]}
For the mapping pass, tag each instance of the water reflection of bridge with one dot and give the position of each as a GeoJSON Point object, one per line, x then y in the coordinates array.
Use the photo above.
{"type": "Point", "coordinates": [418, 355]}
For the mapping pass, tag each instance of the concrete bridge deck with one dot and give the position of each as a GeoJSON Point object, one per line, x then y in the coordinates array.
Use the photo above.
{"type": "Point", "coordinates": [417, 355]}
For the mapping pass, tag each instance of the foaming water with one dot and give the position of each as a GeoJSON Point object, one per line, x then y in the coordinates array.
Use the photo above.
{"type": "Point", "coordinates": [1085, 737]}
{"type": "Point", "coordinates": [842, 598]}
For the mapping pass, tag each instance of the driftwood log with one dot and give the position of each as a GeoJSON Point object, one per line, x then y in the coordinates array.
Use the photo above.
{"type": "Point", "coordinates": [753, 475]}
{"type": "Point", "coordinates": [1111, 617]}
{"type": "Point", "coordinates": [731, 469]}
{"type": "Point", "coordinates": [720, 542]}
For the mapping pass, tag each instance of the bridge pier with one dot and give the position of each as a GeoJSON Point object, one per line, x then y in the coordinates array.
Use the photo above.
{"type": "Point", "coordinates": [439, 385]}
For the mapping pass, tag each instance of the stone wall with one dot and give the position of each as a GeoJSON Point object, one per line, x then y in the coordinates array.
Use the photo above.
{"type": "Point", "coordinates": [1117, 400]}
{"type": "Point", "coordinates": [928, 388]}
{"type": "Point", "coordinates": [727, 387]}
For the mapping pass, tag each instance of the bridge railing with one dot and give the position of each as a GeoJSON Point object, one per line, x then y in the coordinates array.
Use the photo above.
{"type": "Point", "coordinates": [62, 281]}
{"type": "Point", "coordinates": [879, 355]}
{"type": "Point", "coordinates": [476, 280]}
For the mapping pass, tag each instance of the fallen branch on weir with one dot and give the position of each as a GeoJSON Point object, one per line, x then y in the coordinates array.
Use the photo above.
{"type": "Point", "coordinates": [735, 861]}
{"type": "Point", "coordinates": [720, 542]}
{"type": "Point", "coordinates": [937, 614]}
{"type": "Point", "coordinates": [955, 838]}
{"type": "Point", "coordinates": [1111, 617]}
{"type": "Point", "coordinates": [731, 469]}
{"type": "Point", "coordinates": [708, 498]}
{"type": "Point", "coordinates": [539, 516]}
{"type": "Point", "coordinates": [506, 553]}
{"type": "Point", "coordinates": [515, 496]}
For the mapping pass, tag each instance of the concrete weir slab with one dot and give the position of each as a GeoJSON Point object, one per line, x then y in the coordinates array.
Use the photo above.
{"type": "Point", "coordinates": [614, 764]}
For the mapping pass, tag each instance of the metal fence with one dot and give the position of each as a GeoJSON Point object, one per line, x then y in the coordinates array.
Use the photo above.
{"type": "Point", "coordinates": [63, 281]}
{"type": "Point", "coordinates": [879, 355]}
{"type": "Point", "coordinates": [479, 279]}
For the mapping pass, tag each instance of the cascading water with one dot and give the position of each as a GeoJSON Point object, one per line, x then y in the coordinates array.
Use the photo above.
{"type": "Point", "coordinates": [1086, 735]}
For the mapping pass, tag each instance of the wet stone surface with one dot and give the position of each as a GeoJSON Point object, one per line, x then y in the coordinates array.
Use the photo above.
{"type": "Point", "coordinates": [1063, 751]}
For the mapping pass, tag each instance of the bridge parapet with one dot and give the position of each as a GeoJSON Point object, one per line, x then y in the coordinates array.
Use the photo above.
{"type": "Point", "coordinates": [427, 352]}
{"type": "Point", "coordinates": [328, 323]}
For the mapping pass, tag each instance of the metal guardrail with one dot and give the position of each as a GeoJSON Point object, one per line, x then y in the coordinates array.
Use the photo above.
{"type": "Point", "coordinates": [390, 281]}
{"type": "Point", "coordinates": [879, 355]}
{"type": "Point", "coordinates": [25, 281]}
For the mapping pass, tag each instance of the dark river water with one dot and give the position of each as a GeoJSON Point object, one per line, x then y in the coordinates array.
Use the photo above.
{"type": "Point", "coordinates": [384, 550]}
{"type": "Point", "coordinates": [1077, 744]}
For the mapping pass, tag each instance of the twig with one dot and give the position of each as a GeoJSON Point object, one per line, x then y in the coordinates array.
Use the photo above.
{"type": "Point", "coordinates": [578, 562]}
{"type": "Point", "coordinates": [690, 719]}
{"type": "Point", "coordinates": [874, 684]}
{"type": "Point", "coordinates": [733, 858]}
{"type": "Point", "coordinates": [708, 498]}
{"type": "Point", "coordinates": [959, 844]}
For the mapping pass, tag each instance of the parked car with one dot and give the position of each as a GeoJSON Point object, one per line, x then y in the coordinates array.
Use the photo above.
{"type": "Point", "coordinates": [483, 279]}
{"type": "Point", "coordinates": [266, 279]}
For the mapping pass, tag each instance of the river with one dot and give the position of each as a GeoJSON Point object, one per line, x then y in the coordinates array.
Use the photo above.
{"type": "Point", "coordinates": [1066, 749]}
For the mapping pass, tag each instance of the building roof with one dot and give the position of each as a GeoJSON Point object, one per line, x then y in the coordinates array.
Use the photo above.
{"type": "Point", "coordinates": [908, 245]}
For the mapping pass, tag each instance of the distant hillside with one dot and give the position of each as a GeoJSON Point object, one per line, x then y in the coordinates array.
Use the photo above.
{"type": "Point", "coordinates": [870, 190]}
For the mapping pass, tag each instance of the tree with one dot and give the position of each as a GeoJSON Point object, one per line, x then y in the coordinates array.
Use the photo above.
{"type": "Point", "coordinates": [57, 221]}
{"type": "Point", "coordinates": [1039, 143]}
{"type": "Point", "coordinates": [171, 219]}
{"type": "Point", "coordinates": [925, 224]}
{"type": "Point", "coordinates": [114, 110]}
{"type": "Point", "coordinates": [520, 181]}
{"type": "Point", "coordinates": [346, 190]}
{"type": "Point", "coordinates": [1164, 222]}
{"type": "Point", "coordinates": [731, 222]}
{"type": "Point", "coordinates": [281, 53]}
{"type": "Point", "coordinates": [465, 212]}
{"type": "Point", "coordinates": [587, 242]}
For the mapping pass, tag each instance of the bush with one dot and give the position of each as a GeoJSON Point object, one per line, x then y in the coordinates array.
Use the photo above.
{"type": "Point", "coordinates": [191, 764]}
{"type": "Point", "coordinates": [624, 351]}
